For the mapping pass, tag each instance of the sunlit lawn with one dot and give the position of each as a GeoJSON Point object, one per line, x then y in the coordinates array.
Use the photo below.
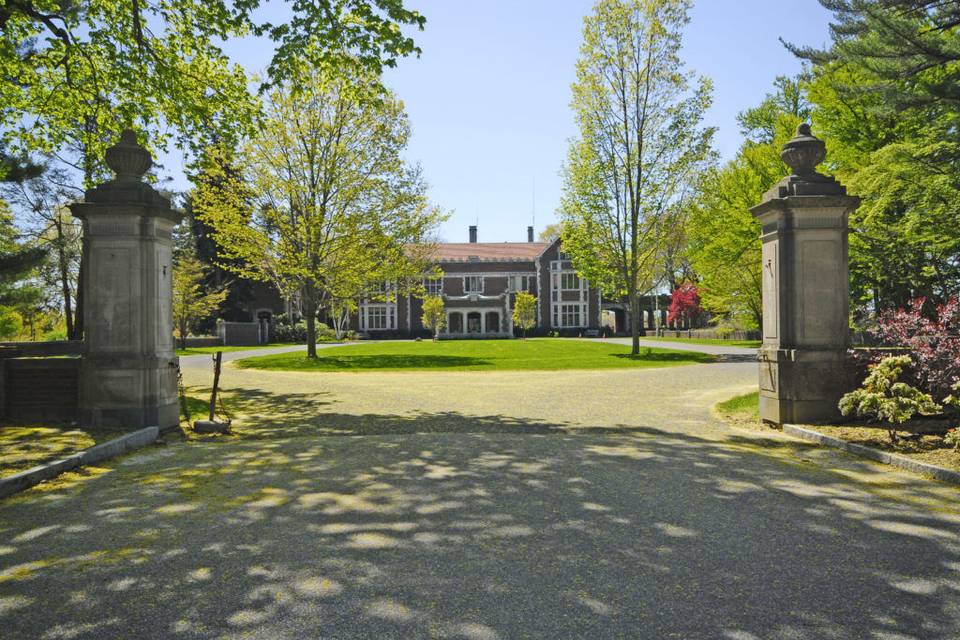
{"type": "Point", "coordinates": [745, 408]}
{"type": "Point", "coordinates": [543, 354]}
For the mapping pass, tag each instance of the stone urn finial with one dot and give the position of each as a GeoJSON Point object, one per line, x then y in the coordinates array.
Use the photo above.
{"type": "Point", "coordinates": [804, 152]}
{"type": "Point", "coordinates": [128, 159]}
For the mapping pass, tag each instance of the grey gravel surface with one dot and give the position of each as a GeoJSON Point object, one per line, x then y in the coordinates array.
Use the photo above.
{"type": "Point", "coordinates": [203, 361]}
{"type": "Point", "coordinates": [599, 504]}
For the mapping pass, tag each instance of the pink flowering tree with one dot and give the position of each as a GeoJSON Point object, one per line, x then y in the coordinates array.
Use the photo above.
{"type": "Point", "coordinates": [932, 339]}
{"type": "Point", "coordinates": [684, 305]}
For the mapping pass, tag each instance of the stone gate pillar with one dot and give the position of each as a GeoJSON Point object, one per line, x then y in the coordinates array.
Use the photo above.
{"type": "Point", "coordinates": [806, 294]}
{"type": "Point", "coordinates": [129, 371]}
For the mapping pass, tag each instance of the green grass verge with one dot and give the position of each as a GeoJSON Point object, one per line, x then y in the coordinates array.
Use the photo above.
{"type": "Point", "coordinates": [745, 408]}
{"type": "Point", "coordinates": [196, 351]}
{"type": "Point", "coordinates": [199, 408]}
{"type": "Point", "coordinates": [542, 354]}
{"type": "Point", "coordinates": [25, 446]}
{"type": "Point", "coordinates": [747, 344]}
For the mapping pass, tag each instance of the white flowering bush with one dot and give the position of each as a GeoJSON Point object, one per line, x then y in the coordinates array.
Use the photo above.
{"type": "Point", "coordinates": [884, 398]}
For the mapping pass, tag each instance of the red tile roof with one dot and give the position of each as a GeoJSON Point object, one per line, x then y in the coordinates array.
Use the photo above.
{"type": "Point", "coordinates": [486, 251]}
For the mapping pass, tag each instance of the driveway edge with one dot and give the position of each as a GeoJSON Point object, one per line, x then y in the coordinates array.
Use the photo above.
{"type": "Point", "coordinates": [104, 451]}
{"type": "Point", "coordinates": [940, 473]}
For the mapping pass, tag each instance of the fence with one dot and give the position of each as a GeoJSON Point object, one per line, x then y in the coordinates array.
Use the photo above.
{"type": "Point", "coordinates": [40, 380]}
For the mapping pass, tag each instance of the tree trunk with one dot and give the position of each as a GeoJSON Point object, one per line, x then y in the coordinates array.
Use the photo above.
{"type": "Point", "coordinates": [78, 312]}
{"type": "Point", "coordinates": [635, 321]}
{"type": "Point", "coordinates": [65, 289]}
{"type": "Point", "coordinates": [310, 311]}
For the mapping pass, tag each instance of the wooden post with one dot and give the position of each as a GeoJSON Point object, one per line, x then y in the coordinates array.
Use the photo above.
{"type": "Point", "coordinates": [218, 356]}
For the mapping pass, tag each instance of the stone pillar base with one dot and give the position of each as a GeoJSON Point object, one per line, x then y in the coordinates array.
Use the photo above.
{"type": "Point", "coordinates": [803, 385]}
{"type": "Point", "coordinates": [129, 396]}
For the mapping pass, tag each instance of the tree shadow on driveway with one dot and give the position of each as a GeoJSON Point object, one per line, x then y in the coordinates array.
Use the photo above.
{"type": "Point", "coordinates": [456, 526]}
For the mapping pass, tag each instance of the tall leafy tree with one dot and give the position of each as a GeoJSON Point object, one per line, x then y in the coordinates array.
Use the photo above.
{"type": "Point", "coordinates": [43, 203]}
{"type": "Point", "coordinates": [724, 239]}
{"type": "Point", "coordinates": [191, 302]}
{"type": "Point", "coordinates": [434, 315]}
{"type": "Point", "coordinates": [525, 311]}
{"type": "Point", "coordinates": [17, 261]}
{"type": "Point", "coordinates": [887, 100]}
{"type": "Point", "coordinates": [74, 72]}
{"type": "Point", "coordinates": [323, 201]}
{"type": "Point", "coordinates": [640, 143]}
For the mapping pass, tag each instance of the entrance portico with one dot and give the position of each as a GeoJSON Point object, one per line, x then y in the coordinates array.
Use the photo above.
{"type": "Point", "coordinates": [476, 321]}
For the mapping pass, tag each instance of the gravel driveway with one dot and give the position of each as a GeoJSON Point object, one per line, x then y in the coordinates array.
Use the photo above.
{"type": "Point", "coordinates": [595, 504]}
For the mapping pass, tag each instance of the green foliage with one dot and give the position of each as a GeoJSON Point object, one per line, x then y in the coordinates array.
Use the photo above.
{"type": "Point", "coordinates": [191, 303]}
{"type": "Point", "coordinates": [45, 218]}
{"type": "Point", "coordinates": [640, 144]}
{"type": "Point", "coordinates": [320, 202]}
{"type": "Point", "coordinates": [885, 399]}
{"type": "Point", "coordinates": [724, 238]}
{"type": "Point", "coordinates": [745, 407]}
{"type": "Point", "coordinates": [952, 439]}
{"type": "Point", "coordinates": [434, 314]}
{"type": "Point", "coordinates": [525, 311]}
{"type": "Point", "coordinates": [550, 232]}
{"type": "Point", "coordinates": [17, 264]}
{"type": "Point", "coordinates": [10, 323]}
{"type": "Point", "coordinates": [887, 102]}
{"type": "Point", "coordinates": [73, 73]}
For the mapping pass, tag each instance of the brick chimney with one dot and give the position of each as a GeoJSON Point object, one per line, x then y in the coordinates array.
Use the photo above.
{"type": "Point", "coordinates": [529, 234]}
{"type": "Point", "coordinates": [473, 234]}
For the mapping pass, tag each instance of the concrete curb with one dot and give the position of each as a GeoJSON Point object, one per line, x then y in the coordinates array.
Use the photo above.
{"type": "Point", "coordinates": [110, 449]}
{"type": "Point", "coordinates": [876, 455]}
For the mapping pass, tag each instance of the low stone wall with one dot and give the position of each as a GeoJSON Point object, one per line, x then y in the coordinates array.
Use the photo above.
{"type": "Point", "coordinates": [238, 334]}
{"type": "Point", "coordinates": [710, 334]}
{"type": "Point", "coordinates": [40, 389]}
{"type": "Point", "coordinates": [196, 342]}
{"type": "Point", "coordinates": [41, 349]}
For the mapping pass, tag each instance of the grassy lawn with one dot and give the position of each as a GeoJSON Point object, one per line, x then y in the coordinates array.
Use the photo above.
{"type": "Point", "coordinates": [747, 344]}
{"type": "Point", "coordinates": [543, 354]}
{"type": "Point", "coordinates": [196, 351]}
{"type": "Point", "coordinates": [25, 446]}
{"type": "Point", "coordinates": [741, 409]}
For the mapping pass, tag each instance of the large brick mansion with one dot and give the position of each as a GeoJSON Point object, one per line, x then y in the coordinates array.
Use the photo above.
{"type": "Point", "coordinates": [479, 285]}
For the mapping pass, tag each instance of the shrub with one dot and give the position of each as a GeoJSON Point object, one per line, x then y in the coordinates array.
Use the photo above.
{"type": "Point", "coordinates": [325, 333]}
{"type": "Point", "coordinates": [933, 341]}
{"type": "Point", "coordinates": [285, 330]}
{"type": "Point", "coordinates": [724, 332]}
{"type": "Point", "coordinates": [55, 334]}
{"type": "Point", "coordinates": [884, 398]}
{"type": "Point", "coordinates": [952, 439]}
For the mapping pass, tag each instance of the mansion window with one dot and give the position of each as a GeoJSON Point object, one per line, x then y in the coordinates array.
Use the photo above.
{"type": "Point", "coordinates": [380, 291]}
{"type": "Point", "coordinates": [569, 315]}
{"type": "Point", "coordinates": [564, 282]}
{"type": "Point", "coordinates": [378, 317]}
{"type": "Point", "coordinates": [473, 284]}
{"type": "Point", "coordinates": [521, 283]}
{"type": "Point", "coordinates": [434, 286]}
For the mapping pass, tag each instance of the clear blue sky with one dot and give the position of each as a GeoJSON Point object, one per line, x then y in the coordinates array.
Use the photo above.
{"type": "Point", "coordinates": [489, 98]}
